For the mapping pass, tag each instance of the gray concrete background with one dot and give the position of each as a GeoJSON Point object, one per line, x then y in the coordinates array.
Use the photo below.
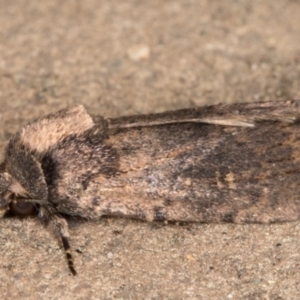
{"type": "Point", "coordinates": [125, 57]}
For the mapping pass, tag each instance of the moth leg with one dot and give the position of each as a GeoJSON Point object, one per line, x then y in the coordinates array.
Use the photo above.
{"type": "Point", "coordinates": [59, 225]}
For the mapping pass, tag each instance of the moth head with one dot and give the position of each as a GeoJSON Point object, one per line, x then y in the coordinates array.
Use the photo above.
{"type": "Point", "coordinates": [11, 197]}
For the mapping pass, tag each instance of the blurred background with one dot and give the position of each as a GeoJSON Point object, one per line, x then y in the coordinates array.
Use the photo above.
{"type": "Point", "coordinates": [128, 57]}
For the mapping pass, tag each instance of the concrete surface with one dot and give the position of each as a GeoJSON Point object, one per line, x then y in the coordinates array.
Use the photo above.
{"type": "Point", "coordinates": [125, 57]}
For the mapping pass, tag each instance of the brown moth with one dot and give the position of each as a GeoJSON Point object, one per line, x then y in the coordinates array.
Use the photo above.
{"type": "Point", "coordinates": [225, 163]}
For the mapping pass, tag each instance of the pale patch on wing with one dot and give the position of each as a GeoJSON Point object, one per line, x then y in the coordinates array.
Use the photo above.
{"type": "Point", "coordinates": [220, 184]}
{"type": "Point", "coordinates": [230, 179]}
{"type": "Point", "coordinates": [226, 122]}
{"type": "Point", "coordinates": [210, 120]}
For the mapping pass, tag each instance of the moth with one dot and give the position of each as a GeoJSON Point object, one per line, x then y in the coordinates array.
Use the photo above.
{"type": "Point", "coordinates": [224, 163]}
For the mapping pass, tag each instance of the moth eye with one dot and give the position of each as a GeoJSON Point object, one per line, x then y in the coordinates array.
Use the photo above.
{"type": "Point", "coordinates": [21, 208]}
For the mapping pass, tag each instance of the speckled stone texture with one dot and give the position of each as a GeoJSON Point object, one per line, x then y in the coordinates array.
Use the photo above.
{"type": "Point", "coordinates": [128, 57]}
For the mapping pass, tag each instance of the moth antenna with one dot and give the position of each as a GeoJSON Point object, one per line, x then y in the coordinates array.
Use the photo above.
{"type": "Point", "coordinates": [60, 227]}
